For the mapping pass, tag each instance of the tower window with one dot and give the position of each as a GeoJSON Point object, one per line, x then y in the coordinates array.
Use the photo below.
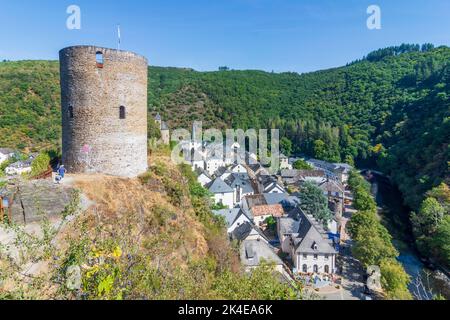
{"type": "Point", "coordinates": [70, 112]}
{"type": "Point", "coordinates": [99, 59]}
{"type": "Point", "coordinates": [122, 112]}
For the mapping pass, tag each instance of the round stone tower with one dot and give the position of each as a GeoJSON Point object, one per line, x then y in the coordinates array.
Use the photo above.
{"type": "Point", "coordinates": [104, 111]}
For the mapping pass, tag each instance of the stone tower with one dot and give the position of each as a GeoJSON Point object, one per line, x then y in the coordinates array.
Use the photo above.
{"type": "Point", "coordinates": [104, 111]}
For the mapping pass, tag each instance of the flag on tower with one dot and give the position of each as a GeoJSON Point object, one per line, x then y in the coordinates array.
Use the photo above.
{"type": "Point", "coordinates": [118, 33]}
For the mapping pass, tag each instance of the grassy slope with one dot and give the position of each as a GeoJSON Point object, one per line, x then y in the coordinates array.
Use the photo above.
{"type": "Point", "coordinates": [146, 238]}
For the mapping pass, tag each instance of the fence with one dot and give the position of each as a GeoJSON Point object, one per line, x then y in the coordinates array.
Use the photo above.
{"type": "Point", "coordinates": [5, 209]}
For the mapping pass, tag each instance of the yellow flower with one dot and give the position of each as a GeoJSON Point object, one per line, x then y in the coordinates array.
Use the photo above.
{"type": "Point", "coordinates": [117, 253]}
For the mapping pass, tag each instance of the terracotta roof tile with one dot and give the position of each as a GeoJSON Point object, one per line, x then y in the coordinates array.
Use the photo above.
{"type": "Point", "coordinates": [275, 210]}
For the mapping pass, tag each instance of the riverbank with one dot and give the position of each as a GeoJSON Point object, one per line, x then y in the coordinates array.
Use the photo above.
{"type": "Point", "coordinates": [395, 217]}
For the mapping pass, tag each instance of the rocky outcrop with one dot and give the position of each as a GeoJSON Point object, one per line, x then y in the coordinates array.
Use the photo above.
{"type": "Point", "coordinates": [34, 200]}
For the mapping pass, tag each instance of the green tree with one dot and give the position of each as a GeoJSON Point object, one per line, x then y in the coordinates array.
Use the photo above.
{"type": "Point", "coordinates": [363, 200]}
{"type": "Point", "coordinates": [394, 280]}
{"type": "Point", "coordinates": [314, 202]}
{"type": "Point", "coordinates": [286, 146]}
{"type": "Point", "coordinates": [429, 217]}
{"type": "Point", "coordinates": [440, 242]}
{"type": "Point", "coordinates": [301, 165]}
{"type": "Point", "coordinates": [370, 247]}
{"type": "Point", "coordinates": [320, 149]}
{"type": "Point", "coordinates": [271, 223]}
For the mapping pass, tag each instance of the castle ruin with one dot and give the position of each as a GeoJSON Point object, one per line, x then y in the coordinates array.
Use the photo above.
{"type": "Point", "coordinates": [104, 111]}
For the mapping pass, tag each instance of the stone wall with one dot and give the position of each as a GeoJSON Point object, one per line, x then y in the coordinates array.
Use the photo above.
{"type": "Point", "coordinates": [95, 139]}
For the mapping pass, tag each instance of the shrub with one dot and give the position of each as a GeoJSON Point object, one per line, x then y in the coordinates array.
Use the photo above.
{"type": "Point", "coordinates": [40, 164]}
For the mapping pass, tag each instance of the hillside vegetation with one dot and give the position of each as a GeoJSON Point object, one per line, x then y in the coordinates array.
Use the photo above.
{"type": "Point", "coordinates": [148, 238]}
{"type": "Point", "coordinates": [390, 109]}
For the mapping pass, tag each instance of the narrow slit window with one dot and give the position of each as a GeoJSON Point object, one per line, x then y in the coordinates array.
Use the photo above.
{"type": "Point", "coordinates": [122, 112]}
{"type": "Point", "coordinates": [99, 59]}
{"type": "Point", "coordinates": [70, 112]}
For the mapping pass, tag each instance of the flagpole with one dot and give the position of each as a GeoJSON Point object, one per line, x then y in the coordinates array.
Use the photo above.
{"type": "Point", "coordinates": [118, 34]}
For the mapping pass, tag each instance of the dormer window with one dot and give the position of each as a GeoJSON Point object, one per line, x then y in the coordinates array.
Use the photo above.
{"type": "Point", "coordinates": [99, 59]}
{"type": "Point", "coordinates": [315, 246]}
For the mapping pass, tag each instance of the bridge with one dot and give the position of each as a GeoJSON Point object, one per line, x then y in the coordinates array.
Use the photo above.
{"type": "Point", "coordinates": [379, 174]}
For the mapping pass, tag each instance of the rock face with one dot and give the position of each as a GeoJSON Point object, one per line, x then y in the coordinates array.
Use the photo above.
{"type": "Point", "coordinates": [34, 200]}
{"type": "Point", "coordinates": [104, 111]}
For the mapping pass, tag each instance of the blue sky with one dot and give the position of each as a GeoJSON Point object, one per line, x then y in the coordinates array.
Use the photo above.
{"type": "Point", "coordinates": [279, 35]}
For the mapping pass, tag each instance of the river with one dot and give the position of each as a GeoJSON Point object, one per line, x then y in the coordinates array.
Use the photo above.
{"type": "Point", "coordinates": [395, 216]}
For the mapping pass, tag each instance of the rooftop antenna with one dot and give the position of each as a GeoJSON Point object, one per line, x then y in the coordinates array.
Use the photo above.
{"type": "Point", "coordinates": [118, 34]}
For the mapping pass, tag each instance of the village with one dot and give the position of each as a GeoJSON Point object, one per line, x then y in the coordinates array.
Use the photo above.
{"type": "Point", "coordinates": [293, 219]}
{"type": "Point", "coordinates": [265, 215]}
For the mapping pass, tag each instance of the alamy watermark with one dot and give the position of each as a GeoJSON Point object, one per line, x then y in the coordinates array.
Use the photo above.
{"type": "Point", "coordinates": [73, 22]}
{"type": "Point", "coordinates": [374, 20]}
{"type": "Point", "coordinates": [239, 146]}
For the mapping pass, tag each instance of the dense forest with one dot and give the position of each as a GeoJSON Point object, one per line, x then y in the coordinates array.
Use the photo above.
{"type": "Point", "coordinates": [390, 109]}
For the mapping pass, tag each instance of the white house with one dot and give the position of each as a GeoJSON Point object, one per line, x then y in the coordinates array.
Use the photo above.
{"type": "Point", "coordinates": [305, 241]}
{"type": "Point", "coordinates": [203, 177]}
{"type": "Point", "coordinates": [342, 171]}
{"type": "Point", "coordinates": [234, 218]}
{"type": "Point", "coordinates": [5, 154]}
{"type": "Point", "coordinates": [18, 168]}
{"type": "Point", "coordinates": [336, 171]}
{"type": "Point", "coordinates": [255, 170]}
{"type": "Point", "coordinates": [241, 185]}
{"type": "Point", "coordinates": [284, 163]}
{"type": "Point", "coordinates": [269, 184]}
{"type": "Point", "coordinates": [332, 189]}
{"type": "Point", "coordinates": [238, 168]}
{"type": "Point", "coordinates": [223, 193]}
{"type": "Point", "coordinates": [274, 187]}
{"type": "Point", "coordinates": [254, 252]}
{"type": "Point", "coordinates": [255, 248]}
{"type": "Point", "coordinates": [213, 164]}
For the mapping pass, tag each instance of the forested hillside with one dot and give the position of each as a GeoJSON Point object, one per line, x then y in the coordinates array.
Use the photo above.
{"type": "Point", "coordinates": [391, 106]}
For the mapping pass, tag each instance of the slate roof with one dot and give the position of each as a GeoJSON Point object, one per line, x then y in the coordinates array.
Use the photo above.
{"type": "Point", "coordinates": [312, 173]}
{"type": "Point", "coordinates": [254, 251]}
{"type": "Point", "coordinates": [310, 237]}
{"type": "Point", "coordinates": [255, 167]}
{"type": "Point", "coordinates": [218, 186]}
{"type": "Point", "coordinates": [201, 171]}
{"type": "Point", "coordinates": [289, 173]}
{"type": "Point", "coordinates": [322, 164]}
{"type": "Point", "coordinates": [331, 166]}
{"type": "Point", "coordinates": [255, 200]}
{"type": "Point", "coordinates": [220, 171]}
{"type": "Point", "coordinates": [287, 201]}
{"type": "Point", "coordinates": [332, 186]}
{"type": "Point", "coordinates": [230, 215]}
{"type": "Point", "coordinates": [240, 179]}
{"type": "Point", "coordinates": [243, 231]}
{"type": "Point", "coordinates": [266, 180]}
{"type": "Point", "coordinates": [288, 225]}
{"type": "Point", "coordinates": [273, 186]}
